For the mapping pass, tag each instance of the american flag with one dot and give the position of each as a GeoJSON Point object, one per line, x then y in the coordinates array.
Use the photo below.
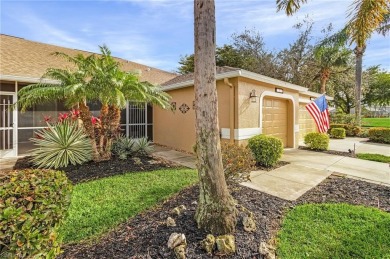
{"type": "Point", "coordinates": [318, 109]}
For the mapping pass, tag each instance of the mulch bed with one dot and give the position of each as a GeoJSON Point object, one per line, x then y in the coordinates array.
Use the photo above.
{"type": "Point", "coordinates": [96, 170]}
{"type": "Point", "coordinates": [331, 152]}
{"type": "Point", "coordinates": [146, 235]}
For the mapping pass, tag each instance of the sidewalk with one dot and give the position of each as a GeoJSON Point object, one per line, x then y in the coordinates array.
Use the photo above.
{"type": "Point", "coordinates": [181, 158]}
{"type": "Point", "coordinates": [361, 146]}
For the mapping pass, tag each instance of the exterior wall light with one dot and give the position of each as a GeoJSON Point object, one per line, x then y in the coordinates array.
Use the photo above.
{"type": "Point", "coordinates": [279, 90]}
{"type": "Point", "coordinates": [253, 96]}
{"type": "Point", "coordinates": [312, 98]}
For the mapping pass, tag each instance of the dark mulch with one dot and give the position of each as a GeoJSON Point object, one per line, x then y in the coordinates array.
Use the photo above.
{"type": "Point", "coordinates": [96, 170]}
{"type": "Point", "coordinates": [278, 164]}
{"type": "Point", "coordinates": [146, 236]}
{"type": "Point", "coordinates": [331, 152]}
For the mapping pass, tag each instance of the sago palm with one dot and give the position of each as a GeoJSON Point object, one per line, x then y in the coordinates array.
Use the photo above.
{"type": "Point", "coordinates": [94, 78]}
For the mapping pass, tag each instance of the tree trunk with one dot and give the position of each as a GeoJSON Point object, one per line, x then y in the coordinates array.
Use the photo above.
{"type": "Point", "coordinates": [114, 117]}
{"type": "Point", "coordinates": [324, 78]}
{"type": "Point", "coordinates": [86, 116]}
{"type": "Point", "coordinates": [358, 90]}
{"type": "Point", "coordinates": [216, 212]}
{"type": "Point", "coordinates": [104, 132]}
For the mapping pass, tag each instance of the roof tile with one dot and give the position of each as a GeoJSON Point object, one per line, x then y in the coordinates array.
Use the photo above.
{"type": "Point", "coordinates": [20, 57]}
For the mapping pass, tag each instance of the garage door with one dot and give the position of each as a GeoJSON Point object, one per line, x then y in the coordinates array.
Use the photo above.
{"type": "Point", "coordinates": [306, 122]}
{"type": "Point", "coordinates": [275, 118]}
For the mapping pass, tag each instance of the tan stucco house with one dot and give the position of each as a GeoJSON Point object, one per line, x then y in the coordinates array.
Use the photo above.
{"type": "Point", "coordinates": [248, 104]}
{"type": "Point", "coordinates": [23, 62]}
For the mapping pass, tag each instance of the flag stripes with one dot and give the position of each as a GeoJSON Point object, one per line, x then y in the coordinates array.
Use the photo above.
{"type": "Point", "coordinates": [319, 113]}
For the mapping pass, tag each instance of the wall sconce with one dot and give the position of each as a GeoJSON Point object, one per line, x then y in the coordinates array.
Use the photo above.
{"type": "Point", "coordinates": [279, 90]}
{"type": "Point", "coordinates": [312, 98]}
{"type": "Point", "coordinates": [253, 96]}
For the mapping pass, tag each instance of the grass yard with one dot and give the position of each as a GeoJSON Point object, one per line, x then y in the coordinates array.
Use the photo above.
{"type": "Point", "coordinates": [376, 122]}
{"type": "Point", "coordinates": [334, 231]}
{"type": "Point", "coordinates": [374, 157]}
{"type": "Point", "coordinates": [100, 205]}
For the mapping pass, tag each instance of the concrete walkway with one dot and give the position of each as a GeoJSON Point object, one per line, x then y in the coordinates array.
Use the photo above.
{"type": "Point", "coordinates": [362, 145]}
{"type": "Point", "coordinates": [181, 158]}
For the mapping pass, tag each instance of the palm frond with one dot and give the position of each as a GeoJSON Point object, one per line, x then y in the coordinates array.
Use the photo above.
{"type": "Point", "coordinates": [366, 16]}
{"type": "Point", "coordinates": [39, 93]}
{"type": "Point", "coordinates": [384, 27]}
{"type": "Point", "coordinates": [289, 6]}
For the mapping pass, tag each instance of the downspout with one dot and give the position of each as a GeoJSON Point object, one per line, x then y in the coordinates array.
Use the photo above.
{"type": "Point", "coordinates": [231, 108]}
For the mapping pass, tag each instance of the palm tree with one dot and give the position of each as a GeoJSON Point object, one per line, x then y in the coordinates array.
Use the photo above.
{"type": "Point", "coordinates": [330, 60]}
{"type": "Point", "coordinates": [216, 212]}
{"type": "Point", "coordinates": [366, 16]}
{"type": "Point", "coordinates": [96, 78]}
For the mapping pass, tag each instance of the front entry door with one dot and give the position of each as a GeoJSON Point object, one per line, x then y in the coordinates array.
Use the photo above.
{"type": "Point", "coordinates": [7, 125]}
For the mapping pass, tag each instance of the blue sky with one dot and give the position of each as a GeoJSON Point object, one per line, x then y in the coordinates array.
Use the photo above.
{"type": "Point", "coordinates": [158, 32]}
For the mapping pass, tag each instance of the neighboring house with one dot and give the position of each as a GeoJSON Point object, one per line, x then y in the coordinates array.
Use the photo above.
{"type": "Point", "coordinates": [23, 62]}
{"type": "Point", "coordinates": [248, 104]}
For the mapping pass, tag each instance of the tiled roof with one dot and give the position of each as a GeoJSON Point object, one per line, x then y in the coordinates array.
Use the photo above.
{"type": "Point", "coordinates": [190, 76]}
{"type": "Point", "coordinates": [25, 58]}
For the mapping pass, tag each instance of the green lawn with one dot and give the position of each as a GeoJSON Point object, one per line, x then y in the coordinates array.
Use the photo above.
{"type": "Point", "coordinates": [374, 157]}
{"type": "Point", "coordinates": [376, 122]}
{"type": "Point", "coordinates": [100, 205]}
{"type": "Point", "coordinates": [334, 231]}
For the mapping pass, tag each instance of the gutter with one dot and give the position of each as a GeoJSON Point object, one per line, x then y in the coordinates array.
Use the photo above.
{"type": "Point", "coordinates": [26, 79]}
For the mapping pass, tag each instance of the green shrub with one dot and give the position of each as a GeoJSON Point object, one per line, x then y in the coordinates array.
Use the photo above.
{"type": "Point", "coordinates": [381, 135]}
{"type": "Point", "coordinates": [317, 141]}
{"type": "Point", "coordinates": [60, 145]}
{"type": "Point", "coordinates": [350, 130]}
{"type": "Point", "coordinates": [342, 118]}
{"type": "Point", "coordinates": [33, 204]}
{"type": "Point", "coordinates": [363, 133]}
{"type": "Point", "coordinates": [237, 161]}
{"type": "Point", "coordinates": [143, 146]}
{"type": "Point", "coordinates": [123, 147]}
{"type": "Point", "coordinates": [267, 150]}
{"type": "Point", "coordinates": [337, 133]}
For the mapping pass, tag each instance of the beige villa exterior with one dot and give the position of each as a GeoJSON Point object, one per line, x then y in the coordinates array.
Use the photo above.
{"type": "Point", "coordinates": [248, 104]}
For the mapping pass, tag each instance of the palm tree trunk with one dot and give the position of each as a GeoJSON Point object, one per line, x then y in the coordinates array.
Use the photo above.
{"type": "Point", "coordinates": [104, 131]}
{"type": "Point", "coordinates": [324, 78]}
{"type": "Point", "coordinates": [113, 122]}
{"type": "Point", "coordinates": [86, 116]}
{"type": "Point", "coordinates": [216, 212]}
{"type": "Point", "coordinates": [358, 90]}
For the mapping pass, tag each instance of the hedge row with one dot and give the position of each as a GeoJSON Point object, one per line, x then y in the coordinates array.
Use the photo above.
{"type": "Point", "coordinates": [350, 130]}
{"type": "Point", "coordinates": [381, 135]}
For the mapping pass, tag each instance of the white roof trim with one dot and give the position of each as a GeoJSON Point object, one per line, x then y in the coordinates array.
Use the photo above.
{"type": "Point", "coordinates": [241, 73]}
{"type": "Point", "coordinates": [26, 79]}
